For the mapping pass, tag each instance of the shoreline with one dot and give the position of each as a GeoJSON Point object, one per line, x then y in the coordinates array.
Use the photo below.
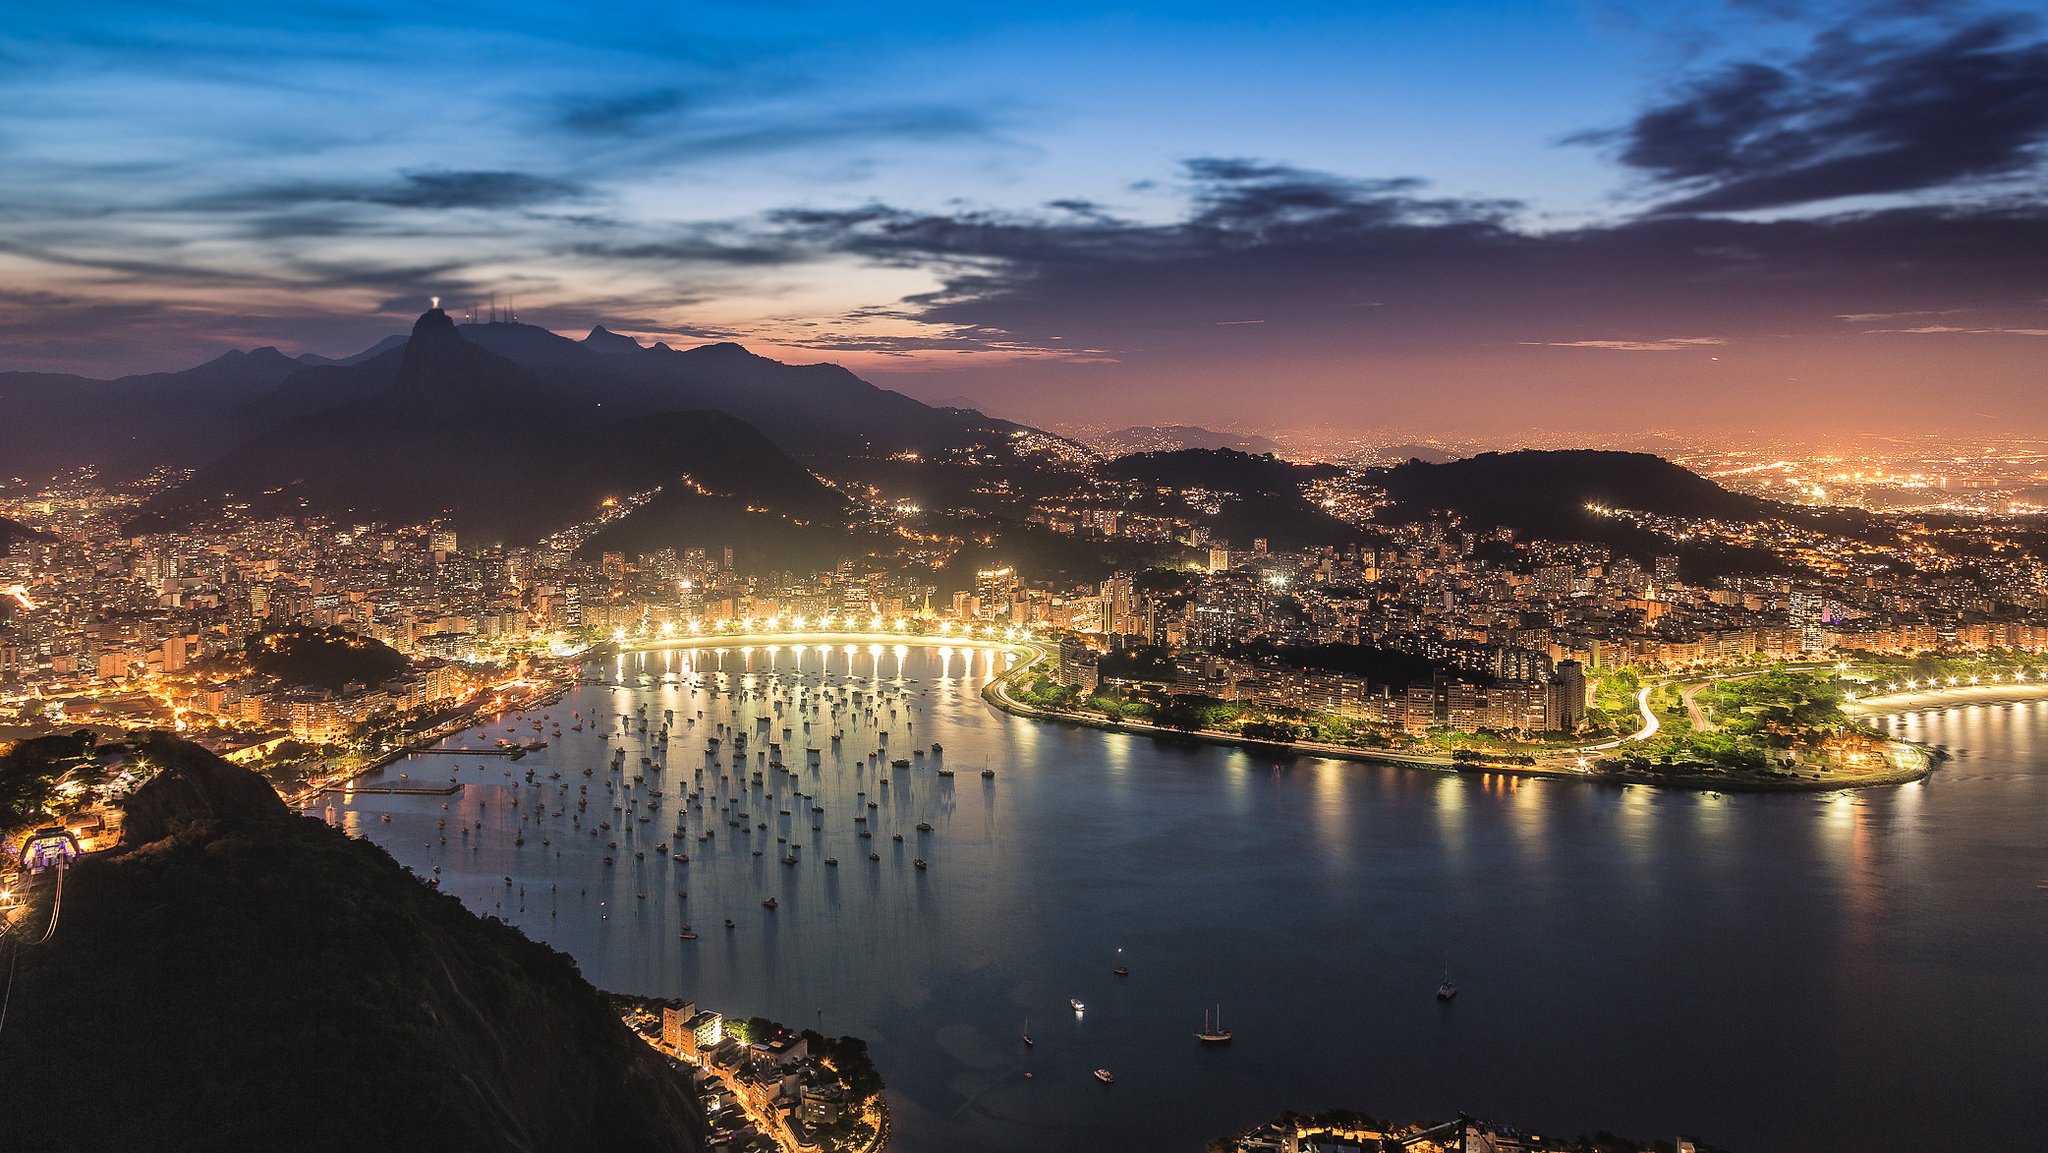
{"type": "Point", "coordinates": [1913, 701]}
{"type": "Point", "coordinates": [1909, 763]}
{"type": "Point", "coordinates": [1915, 764]}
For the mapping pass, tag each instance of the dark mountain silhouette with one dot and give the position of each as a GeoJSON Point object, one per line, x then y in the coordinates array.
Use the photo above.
{"type": "Point", "coordinates": [1173, 437]}
{"type": "Point", "coordinates": [395, 340]}
{"type": "Point", "coordinates": [1531, 489]}
{"type": "Point", "coordinates": [56, 421]}
{"type": "Point", "coordinates": [1426, 453]}
{"type": "Point", "coordinates": [1264, 494]}
{"type": "Point", "coordinates": [197, 416]}
{"type": "Point", "coordinates": [503, 452]}
{"type": "Point", "coordinates": [310, 390]}
{"type": "Point", "coordinates": [602, 339]}
{"type": "Point", "coordinates": [11, 530]}
{"type": "Point", "coordinates": [238, 976]}
{"type": "Point", "coordinates": [806, 409]}
{"type": "Point", "coordinates": [1546, 494]}
{"type": "Point", "coordinates": [682, 518]}
{"type": "Point", "coordinates": [1219, 470]}
{"type": "Point", "coordinates": [308, 656]}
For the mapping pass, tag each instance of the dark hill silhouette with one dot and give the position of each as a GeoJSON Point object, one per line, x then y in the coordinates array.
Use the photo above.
{"type": "Point", "coordinates": [1218, 469]}
{"type": "Point", "coordinates": [307, 656]}
{"type": "Point", "coordinates": [237, 976]}
{"type": "Point", "coordinates": [1545, 494]}
{"type": "Point", "coordinates": [1426, 453]}
{"type": "Point", "coordinates": [1533, 490]}
{"type": "Point", "coordinates": [602, 339]}
{"type": "Point", "coordinates": [56, 421]}
{"type": "Point", "coordinates": [683, 518]}
{"type": "Point", "coordinates": [506, 455]}
{"type": "Point", "coordinates": [312, 389]}
{"type": "Point", "coordinates": [1267, 499]}
{"type": "Point", "coordinates": [806, 409]}
{"type": "Point", "coordinates": [395, 340]}
{"type": "Point", "coordinates": [12, 530]}
{"type": "Point", "coordinates": [200, 415]}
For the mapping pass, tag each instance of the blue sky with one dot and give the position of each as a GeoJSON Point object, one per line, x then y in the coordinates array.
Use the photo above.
{"type": "Point", "coordinates": [900, 186]}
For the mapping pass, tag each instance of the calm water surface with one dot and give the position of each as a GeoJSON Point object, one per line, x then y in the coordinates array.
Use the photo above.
{"type": "Point", "coordinates": [1842, 971]}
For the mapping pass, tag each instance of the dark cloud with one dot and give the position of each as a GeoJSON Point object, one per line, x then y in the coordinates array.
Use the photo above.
{"type": "Point", "coordinates": [626, 115]}
{"type": "Point", "coordinates": [1331, 263]}
{"type": "Point", "coordinates": [1862, 113]}
{"type": "Point", "coordinates": [705, 244]}
{"type": "Point", "coordinates": [475, 190]}
{"type": "Point", "coordinates": [424, 189]}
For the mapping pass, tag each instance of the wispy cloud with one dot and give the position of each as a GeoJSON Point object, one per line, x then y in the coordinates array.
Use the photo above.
{"type": "Point", "coordinates": [1953, 329]}
{"type": "Point", "coordinates": [1673, 344]}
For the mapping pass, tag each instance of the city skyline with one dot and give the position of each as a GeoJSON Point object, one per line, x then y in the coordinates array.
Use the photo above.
{"type": "Point", "coordinates": [1596, 218]}
{"type": "Point", "coordinates": [818, 578]}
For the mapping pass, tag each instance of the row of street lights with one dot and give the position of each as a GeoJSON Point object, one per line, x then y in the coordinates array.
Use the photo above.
{"type": "Point", "coordinates": [824, 624]}
{"type": "Point", "coordinates": [2018, 677]}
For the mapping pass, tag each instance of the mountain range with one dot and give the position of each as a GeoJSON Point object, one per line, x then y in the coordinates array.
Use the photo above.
{"type": "Point", "coordinates": [197, 416]}
{"type": "Point", "coordinates": [445, 428]}
{"type": "Point", "coordinates": [511, 432]}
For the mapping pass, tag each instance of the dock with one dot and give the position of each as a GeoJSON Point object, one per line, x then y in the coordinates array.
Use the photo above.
{"type": "Point", "coordinates": [513, 751]}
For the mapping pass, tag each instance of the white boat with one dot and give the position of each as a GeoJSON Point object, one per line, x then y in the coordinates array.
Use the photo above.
{"type": "Point", "coordinates": [1076, 1005]}
{"type": "Point", "coordinates": [1213, 1032]}
{"type": "Point", "coordinates": [1105, 1076]}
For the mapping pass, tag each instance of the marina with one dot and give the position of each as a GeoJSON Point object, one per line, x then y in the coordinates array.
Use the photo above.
{"type": "Point", "coordinates": [1316, 899]}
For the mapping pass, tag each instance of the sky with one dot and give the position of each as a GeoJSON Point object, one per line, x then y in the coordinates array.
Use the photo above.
{"type": "Point", "coordinates": [1439, 218]}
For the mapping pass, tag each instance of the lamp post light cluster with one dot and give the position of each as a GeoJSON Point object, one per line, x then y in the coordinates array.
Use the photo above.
{"type": "Point", "coordinates": [829, 623]}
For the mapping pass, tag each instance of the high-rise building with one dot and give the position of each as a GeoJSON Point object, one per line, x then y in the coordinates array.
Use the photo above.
{"type": "Point", "coordinates": [996, 588]}
{"type": "Point", "coordinates": [1118, 595]}
{"type": "Point", "coordinates": [1809, 614]}
{"type": "Point", "coordinates": [1565, 709]}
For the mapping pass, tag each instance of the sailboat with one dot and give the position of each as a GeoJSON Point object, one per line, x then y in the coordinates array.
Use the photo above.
{"type": "Point", "coordinates": [1213, 1033]}
{"type": "Point", "coordinates": [1446, 991]}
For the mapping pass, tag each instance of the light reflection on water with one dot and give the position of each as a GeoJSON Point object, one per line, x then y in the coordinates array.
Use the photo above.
{"type": "Point", "coordinates": [1768, 972]}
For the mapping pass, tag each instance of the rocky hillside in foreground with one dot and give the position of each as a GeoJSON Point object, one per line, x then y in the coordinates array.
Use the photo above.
{"type": "Point", "coordinates": [237, 977]}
